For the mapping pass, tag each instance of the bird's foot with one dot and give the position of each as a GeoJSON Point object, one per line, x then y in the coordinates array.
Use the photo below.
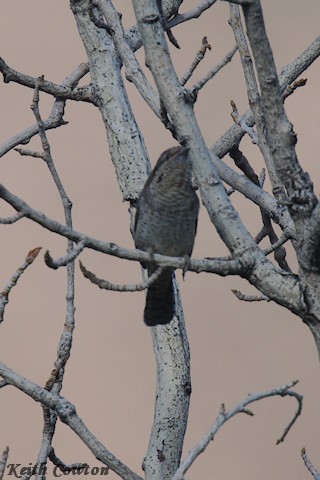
{"type": "Point", "coordinates": [186, 265]}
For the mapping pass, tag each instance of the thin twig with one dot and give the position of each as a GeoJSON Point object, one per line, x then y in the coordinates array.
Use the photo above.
{"type": "Point", "coordinates": [262, 177]}
{"type": "Point", "coordinates": [291, 88]}
{"type": "Point", "coordinates": [64, 467]}
{"type": "Point", "coordinates": [299, 399]}
{"type": "Point", "coordinates": [240, 120]}
{"type": "Point", "coordinates": [55, 118]}
{"type": "Point", "coordinates": [276, 245]}
{"type": "Point", "coordinates": [63, 261]}
{"type": "Point", "coordinates": [172, 39]}
{"type": "Point", "coordinates": [191, 14]}
{"type": "Point", "coordinates": [105, 285]}
{"type": "Point", "coordinates": [267, 230]}
{"type": "Point", "coordinates": [288, 75]}
{"type": "Point", "coordinates": [243, 164]}
{"type": "Point", "coordinates": [68, 415]}
{"type": "Point", "coordinates": [55, 380]}
{"type": "Point", "coordinates": [4, 295]}
{"type": "Point", "coordinates": [279, 213]}
{"type": "Point", "coordinates": [309, 465]}
{"type": "Point", "coordinates": [66, 92]}
{"type": "Point", "coordinates": [12, 219]}
{"type": "Point", "coordinates": [261, 235]}
{"type": "Point", "coordinates": [201, 83]}
{"type": "Point", "coordinates": [238, 266]}
{"type": "Point", "coordinates": [198, 58]}
{"type": "Point", "coordinates": [254, 100]}
{"type": "Point", "coordinates": [24, 152]}
{"type": "Point", "coordinates": [224, 416]}
{"type": "Point", "coordinates": [250, 298]}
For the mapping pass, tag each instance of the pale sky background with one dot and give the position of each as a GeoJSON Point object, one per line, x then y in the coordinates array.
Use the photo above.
{"type": "Point", "coordinates": [236, 347]}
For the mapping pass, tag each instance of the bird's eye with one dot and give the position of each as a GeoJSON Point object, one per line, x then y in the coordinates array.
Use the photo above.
{"type": "Point", "coordinates": [160, 178]}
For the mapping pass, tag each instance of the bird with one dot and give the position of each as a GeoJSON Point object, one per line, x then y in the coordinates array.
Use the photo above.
{"type": "Point", "coordinates": [166, 223]}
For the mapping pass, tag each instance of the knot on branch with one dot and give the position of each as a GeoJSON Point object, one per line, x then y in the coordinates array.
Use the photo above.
{"type": "Point", "coordinates": [301, 198]}
{"type": "Point", "coordinates": [246, 264]}
{"type": "Point", "coordinates": [65, 409]}
{"type": "Point", "coordinates": [151, 18]}
{"type": "Point", "coordinates": [191, 95]}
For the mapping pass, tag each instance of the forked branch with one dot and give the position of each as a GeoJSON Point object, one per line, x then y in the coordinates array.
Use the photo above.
{"type": "Point", "coordinates": [224, 416]}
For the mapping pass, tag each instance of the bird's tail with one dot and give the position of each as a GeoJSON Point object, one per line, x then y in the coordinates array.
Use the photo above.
{"type": "Point", "coordinates": [160, 306]}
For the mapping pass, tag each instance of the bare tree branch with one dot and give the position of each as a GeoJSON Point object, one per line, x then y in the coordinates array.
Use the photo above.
{"type": "Point", "coordinates": [241, 121]}
{"type": "Point", "coordinates": [66, 92]}
{"type": "Point", "coordinates": [196, 87]}
{"type": "Point", "coordinates": [66, 337]}
{"type": "Point", "coordinates": [62, 466]}
{"type": "Point", "coordinates": [169, 9]}
{"type": "Point", "coordinates": [292, 88]}
{"type": "Point", "coordinates": [191, 14]}
{"type": "Point", "coordinates": [254, 101]}
{"type": "Point", "coordinates": [291, 72]}
{"type": "Point", "coordinates": [64, 348]}
{"type": "Point", "coordinates": [240, 266]}
{"type": "Point", "coordinates": [4, 295]}
{"type": "Point", "coordinates": [243, 164]}
{"type": "Point", "coordinates": [109, 47]}
{"type": "Point", "coordinates": [171, 92]}
{"type": "Point", "coordinates": [267, 230]}
{"type": "Point", "coordinates": [198, 58]}
{"type": "Point", "coordinates": [55, 118]}
{"type": "Point", "coordinates": [309, 257]}
{"type": "Point", "coordinates": [63, 261]}
{"type": "Point", "coordinates": [48, 429]}
{"type": "Point", "coordinates": [173, 390]}
{"type": "Point", "coordinates": [125, 140]}
{"type": "Point", "coordinates": [134, 73]}
{"type": "Point", "coordinates": [250, 298]}
{"type": "Point", "coordinates": [224, 416]}
{"type": "Point", "coordinates": [308, 464]}
{"type": "Point", "coordinates": [12, 219]}
{"type": "Point", "coordinates": [276, 245]}
{"type": "Point", "coordinates": [105, 285]}
{"type": "Point", "coordinates": [24, 152]}
{"type": "Point", "coordinates": [299, 399]}
{"type": "Point", "coordinates": [279, 213]}
{"type": "Point", "coordinates": [68, 415]}
{"type": "Point", "coordinates": [288, 75]}
{"type": "Point", "coordinates": [262, 177]}
{"type": "Point", "coordinates": [280, 135]}
{"type": "Point", "coordinates": [214, 196]}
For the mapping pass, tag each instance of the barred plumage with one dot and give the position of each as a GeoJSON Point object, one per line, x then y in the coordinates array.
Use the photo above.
{"type": "Point", "coordinates": [166, 223]}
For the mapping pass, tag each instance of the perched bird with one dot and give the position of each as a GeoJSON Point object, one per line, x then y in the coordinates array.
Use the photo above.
{"type": "Point", "coordinates": [166, 223]}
